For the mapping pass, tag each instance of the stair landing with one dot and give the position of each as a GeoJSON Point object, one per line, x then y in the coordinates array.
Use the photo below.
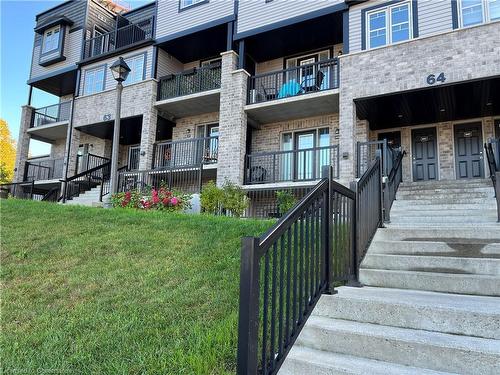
{"type": "Point", "coordinates": [431, 297]}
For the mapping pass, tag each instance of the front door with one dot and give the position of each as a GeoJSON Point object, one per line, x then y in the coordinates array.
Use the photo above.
{"type": "Point", "coordinates": [469, 150]}
{"type": "Point", "coordinates": [305, 155]}
{"type": "Point", "coordinates": [133, 157]}
{"type": "Point", "coordinates": [425, 159]}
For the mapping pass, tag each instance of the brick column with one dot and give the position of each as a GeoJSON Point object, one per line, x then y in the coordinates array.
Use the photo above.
{"type": "Point", "coordinates": [73, 144]}
{"type": "Point", "coordinates": [148, 132]}
{"type": "Point", "coordinates": [232, 121]}
{"type": "Point", "coordinates": [347, 130]}
{"type": "Point", "coordinates": [23, 142]}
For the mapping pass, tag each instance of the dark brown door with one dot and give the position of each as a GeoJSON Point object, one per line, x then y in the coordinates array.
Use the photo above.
{"type": "Point", "coordinates": [425, 161]}
{"type": "Point", "coordinates": [469, 150]}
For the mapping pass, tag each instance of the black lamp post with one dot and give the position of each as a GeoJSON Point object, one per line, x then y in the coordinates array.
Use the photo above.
{"type": "Point", "coordinates": [120, 71]}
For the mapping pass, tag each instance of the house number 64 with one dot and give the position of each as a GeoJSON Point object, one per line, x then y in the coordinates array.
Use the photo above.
{"type": "Point", "coordinates": [432, 79]}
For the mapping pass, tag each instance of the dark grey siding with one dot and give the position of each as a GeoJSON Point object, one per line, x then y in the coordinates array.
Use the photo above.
{"type": "Point", "coordinates": [141, 14]}
{"type": "Point", "coordinates": [98, 16]}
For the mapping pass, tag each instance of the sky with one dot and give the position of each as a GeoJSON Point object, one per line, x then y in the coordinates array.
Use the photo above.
{"type": "Point", "coordinates": [17, 20]}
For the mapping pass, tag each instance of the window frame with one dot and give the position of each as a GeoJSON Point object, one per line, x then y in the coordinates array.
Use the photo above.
{"type": "Point", "coordinates": [388, 24]}
{"type": "Point", "coordinates": [485, 13]}
{"type": "Point", "coordinates": [85, 83]}
{"type": "Point", "coordinates": [144, 62]}
{"type": "Point", "coordinates": [51, 30]}
{"type": "Point", "coordinates": [195, 3]}
{"type": "Point", "coordinates": [317, 135]}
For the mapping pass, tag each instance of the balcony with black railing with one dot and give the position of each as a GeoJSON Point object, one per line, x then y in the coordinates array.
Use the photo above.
{"type": "Point", "coordinates": [191, 92]}
{"type": "Point", "coordinates": [121, 37]}
{"type": "Point", "coordinates": [290, 166]}
{"type": "Point", "coordinates": [301, 91]}
{"type": "Point", "coordinates": [50, 123]}
{"type": "Point", "coordinates": [186, 153]}
{"type": "Point", "coordinates": [44, 170]}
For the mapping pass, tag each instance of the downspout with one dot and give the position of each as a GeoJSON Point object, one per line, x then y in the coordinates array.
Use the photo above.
{"type": "Point", "coordinates": [68, 147]}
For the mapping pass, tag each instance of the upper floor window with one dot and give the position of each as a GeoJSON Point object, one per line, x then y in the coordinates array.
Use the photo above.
{"type": "Point", "coordinates": [475, 12]}
{"type": "Point", "coordinates": [188, 3]}
{"type": "Point", "coordinates": [136, 65]}
{"type": "Point", "coordinates": [94, 80]}
{"type": "Point", "coordinates": [389, 25]}
{"type": "Point", "coordinates": [51, 39]}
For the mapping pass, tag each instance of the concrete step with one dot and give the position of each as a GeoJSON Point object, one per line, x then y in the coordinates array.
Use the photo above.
{"type": "Point", "coordinates": [429, 311]}
{"type": "Point", "coordinates": [410, 347]}
{"type": "Point", "coordinates": [448, 247]}
{"type": "Point", "coordinates": [481, 285]}
{"type": "Point", "coordinates": [441, 264]}
{"type": "Point", "coordinates": [418, 201]}
{"type": "Point", "coordinates": [450, 233]}
{"type": "Point", "coordinates": [431, 219]}
{"type": "Point", "coordinates": [461, 190]}
{"type": "Point", "coordinates": [398, 212]}
{"type": "Point", "coordinates": [460, 197]}
{"type": "Point", "coordinates": [403, 206]}
{"type": "Point", "coordinates": [302, 360]}
{"type": "Point", "coordinates": [446, 184]}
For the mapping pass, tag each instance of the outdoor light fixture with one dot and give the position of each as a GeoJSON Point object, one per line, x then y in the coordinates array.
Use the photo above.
{"type": "Point", "coordinates": [400, 116]}
{"type": "Point", "coordinates": [120, 70]}
{"type": "Point", "coordinates": [442, 110]}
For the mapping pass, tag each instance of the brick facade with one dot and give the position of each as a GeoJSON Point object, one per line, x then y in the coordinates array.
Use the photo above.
{"type": "Point", "coordinates": [463, 55]}
{"type": "Point", "coordinates": [23, 143]}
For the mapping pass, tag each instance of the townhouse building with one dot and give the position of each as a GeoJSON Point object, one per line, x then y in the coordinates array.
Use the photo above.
{"type": "Point", "coordinates": [263, 93]}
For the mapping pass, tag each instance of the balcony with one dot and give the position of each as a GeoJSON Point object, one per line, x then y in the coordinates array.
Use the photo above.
{"type": "Point", "coordinates": [302, 91]}
{"type": "Point", "coordinates": [43, 170]}
{"type": "Point", "coordinates": [191, 92]}
{"type": "Point", "coordinates": [290, 166]}
{"type": "Point", "coordinates": [186, 153]}
{"type": "Point", "coordinates": [125, 36]}
{"type": "Point", "coordinates": [50, 123]}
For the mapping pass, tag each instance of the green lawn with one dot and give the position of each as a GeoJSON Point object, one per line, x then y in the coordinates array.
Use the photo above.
{"type": "Point", "coordinates": [93, 291]}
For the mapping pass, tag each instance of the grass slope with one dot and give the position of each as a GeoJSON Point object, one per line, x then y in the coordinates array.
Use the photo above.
{"type": "Point", "coordinates": [87, 290]}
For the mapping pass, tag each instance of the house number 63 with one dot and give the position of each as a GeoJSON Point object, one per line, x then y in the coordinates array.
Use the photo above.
{"type": "Point", "coordinates": [432, 79]}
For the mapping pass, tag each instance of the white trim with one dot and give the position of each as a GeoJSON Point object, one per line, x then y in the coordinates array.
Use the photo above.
{"type": "Point", "coordinates": [388, 24]}
{"type": "Point", "coordinates": [485, 12]}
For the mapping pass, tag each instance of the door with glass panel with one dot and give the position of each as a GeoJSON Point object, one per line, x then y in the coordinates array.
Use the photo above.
{"type": "Point", "coordinates": [307, 73]}
{"type": "Point", "coordinates": [207, 145]}
{"type": "Point", "coordinates": [304, 146]}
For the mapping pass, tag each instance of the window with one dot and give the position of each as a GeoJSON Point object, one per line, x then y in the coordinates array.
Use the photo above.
{"type": "Point", "coordinates": [136, 65]}
{"type": "Point", "coordinates": [389, 25]}
{"type": "Point", "coordinates": [188, 3]}
{"type": "Point", "coordinates": [51, 39]}
{"type": "Point", "coordinates": [476, 12]}
{"type": "Point", "coordinates": [94, 80]}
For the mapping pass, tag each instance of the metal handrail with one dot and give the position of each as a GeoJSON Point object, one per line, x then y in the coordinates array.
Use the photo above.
{"type": "Point", "coordinates": [291, 165]}
{"type": "Point", "coordinates": [84, 181]}
{"type": "Point", "coordinates": [190, 81]}
{"type": "Point", "coordinates": [322, 239]}
{"type": "Point", "coordinates": [51, 114]}
{"type": "Point", "coordinates": [494, 169]}
{"type": "Point", "coordinates": [120, 37]}
{"type": "Point", "coordinates": [303, 79]}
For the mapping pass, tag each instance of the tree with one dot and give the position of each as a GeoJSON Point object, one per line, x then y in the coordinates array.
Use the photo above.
{"type": "Point", "coordinates": [7, 153]}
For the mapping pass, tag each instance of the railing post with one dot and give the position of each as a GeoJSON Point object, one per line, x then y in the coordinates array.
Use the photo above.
{"type": "Point", "coordinates": [248, 325]}
{"type": "Point", "coordinates": [355, 240]}
{"type": "Point", "coordinates": [497, 193]}
{"type": "Point", "coordinates": [327, 226]}
{"type": "Point", "coordinates": [358, 161]}
{"type": "Point", "coordinates": [31, 190]}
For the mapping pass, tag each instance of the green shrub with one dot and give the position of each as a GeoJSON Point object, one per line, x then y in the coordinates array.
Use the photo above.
{"type": "Point", "coordinates": [230, 199]}
{"type": "Point", "coordinates": [211, 199]}
{"type": "Point", "coordinates": [285, 200]}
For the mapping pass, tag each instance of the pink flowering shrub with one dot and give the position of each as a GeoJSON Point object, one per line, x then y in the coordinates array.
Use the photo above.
{"type": "Point", "coordinates": [156, 199]}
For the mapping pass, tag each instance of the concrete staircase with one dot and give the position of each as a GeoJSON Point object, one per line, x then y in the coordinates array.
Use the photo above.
{"type": "Point", "coordinates": [431, 300]}
{"type": "Point", "coordinates": [89, 198]}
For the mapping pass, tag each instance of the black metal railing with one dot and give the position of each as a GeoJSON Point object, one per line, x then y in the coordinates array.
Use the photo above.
{"type": "Point", "coordinates": [47, 169]}
{"type": "Point", "coordinates": [492, 148]}
{"type": "Point", "coordinates": [85, 162]}
{"type": "Point", "coordinates": [294, 165]}
{"type": "Point", "coordinates": [84, 181]}
{"type": "Point", "coordinates": [106, 184]}
{"type": "Point", "coordinates": [51, 114]}
{"type": "Point", "coordinates": [186, 179]}
{"type": "Point", "coordinates": [391, 184]}
{"type": "Point", "coordinates": [186, 153]}
{"type": "Point", "coordinates": [300, 80]}
{"type": "Point", "coordinates": [321, 240]}
{"type": "Point", "coordinates": [19, 190]}
{"type": "Point", "coordinates": [263, 202]}
{"type": "Point", "coordinates": [190, 81]}
{"type": "Point", "coordinates": [119, 38]}
{"type": "Point", "coordinates": [367, 151]}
